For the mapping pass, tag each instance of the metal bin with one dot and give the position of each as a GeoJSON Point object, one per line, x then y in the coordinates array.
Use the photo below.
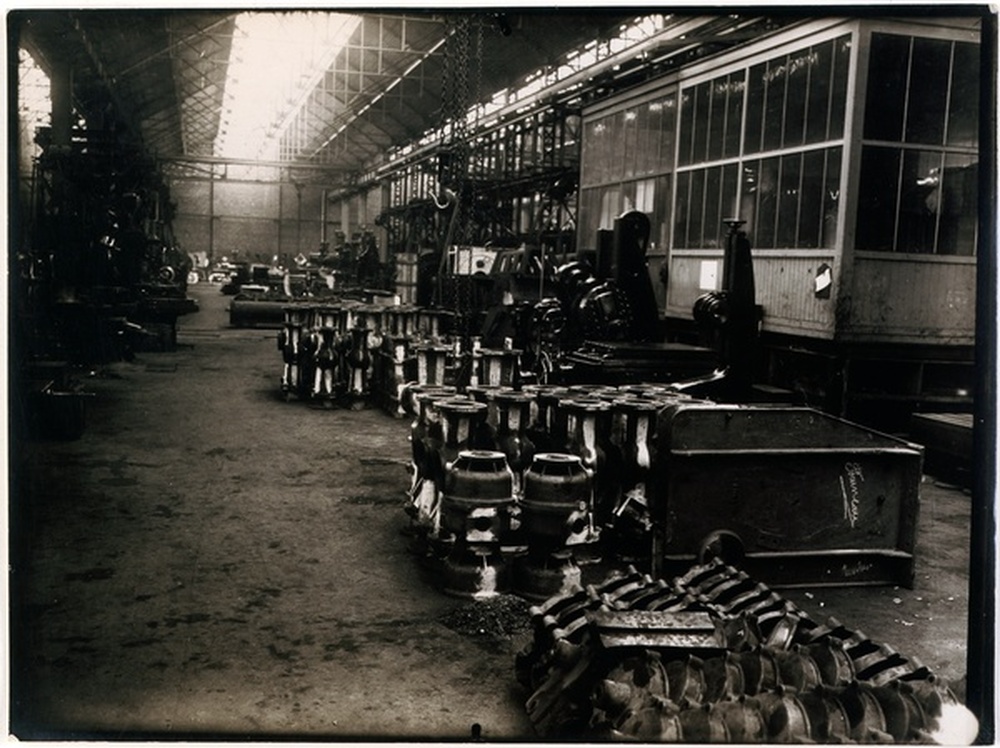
{"type": "Point", "coordinates": [794, 496]}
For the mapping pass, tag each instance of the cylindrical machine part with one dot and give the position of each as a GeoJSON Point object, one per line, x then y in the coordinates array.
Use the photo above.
{"type": "Point", "coordinates": [557, 491]}
{"type": "Point", "coordinates": [588, 426]}
{"type": "Point", "coordinates": [511, 433]}
{"type": "Point", "coordinates": [554, 418]}
{"type": "Point", "coordinates": [426, 440]}
{"type": "Point", "coordinates": [484, 393]}
{"type": "Point", "coordinates": [540, 577]}
{"type": "Point", "coordinates": [638, 420]}
{"type": "Point", "coordinates": [476, 572]}
{"type": "Point", "coordinates": [291, 342]}
{"type": "Point", "coordinates": [477, 497]}
{"type": "Point", "coordinates": [432, 363]}
{"type": "Point", "coordinates": [325, 364]}
{"type": "Point", "coordinates": [498, 366]}
{"type": "Point", "coordinates": [358, 361]}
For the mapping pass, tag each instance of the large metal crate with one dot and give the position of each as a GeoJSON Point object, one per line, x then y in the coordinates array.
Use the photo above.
{"type": "Point", "coordinates": [793, 495]}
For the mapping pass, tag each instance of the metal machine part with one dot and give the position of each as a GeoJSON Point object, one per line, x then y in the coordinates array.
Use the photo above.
{"type": "Point", "coordinates": [731, 661]}
{"type": "Point", "coordinates": [476, 508]}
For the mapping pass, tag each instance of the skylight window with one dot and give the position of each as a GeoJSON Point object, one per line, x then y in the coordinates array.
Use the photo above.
{"type": "Point", "coordinates": [276, 60]}
{"type": "Point", "coordinates": [34, 104]}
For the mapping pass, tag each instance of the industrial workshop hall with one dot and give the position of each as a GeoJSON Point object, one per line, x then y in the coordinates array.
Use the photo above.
{"type": "Point", "coordinates": [518, 375]}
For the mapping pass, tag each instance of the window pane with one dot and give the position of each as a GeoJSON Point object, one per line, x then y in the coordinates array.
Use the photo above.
{"type": "Point", "coordinates": [654, 123]}
{"type": "Point", "coordinates": [695, 224]}
{"type": "Point", "coordinates": [730, 174]}
{"type": "Point", "coordinates": [668, 113]}
{"type": "Point", "coordinates": [610, 206]}
{"type": "Point", "coordinates": [717, 117]}
{"type": "Point", "coordinates": [795, 96]}
{"type": "Point", "coordinates": [603, 147]}
{"type": "Point", "coordinates": [645, 195]}
{"type": "Point", "coordinates": [701, 122]}
{"type": "Point", "coordinates": [788, 200]}
{"type": "Point", "coordinates": [928, 91]}
{"type": "Point", "coordinates": [959, 206]}
{"type": "Point", "coordinates": [683, 209]}
{"type": "Point", "coordinates": [627, 203]}
{"type": "Point", "coordinates": [919, 199]}
{"type": "Point", "coordinates": [818, 105]}
{"type": "Point", "coordinates": [590, 153]}
{"type": "Point", "coordinates": [629, 134]}
{"type": "Point", "coordinates": [877, 198]}
{"type": "Point", "coordinates": [886, 87]}
{"type": "Point", "coordinates": [713, 194]}
{"type": "Point", "coordinates": [645, 151]}
{"type": "Point", "coordinates": [748, 196]}
{"type": "Point", "coordinates": [734, 114]}
{"type": "Point", "coordinates": [660, 216]}
{"type": "Point", "coordinates": [589, 218]}
{"type": "Point", "coordinates": [838, 97]}
{"type": "Point", "coordinates": [831, 198]}
{"type": "Point", "coordinates": [616, 166]}
{"type": "Point", "coordinates": [755, 108]}
{"type": "Point", "coordinates": [596, 144]}
{"type": "Point", "coordinates": [963, 117]}
{"type": "Point", "coordinates": [774, 101]}
{"type": "Point", "coordinates": [687, 126]}
{"type": "Point", "coordinates": [767, 204]}
{"type": "Point", "coordinates": [811, 201]}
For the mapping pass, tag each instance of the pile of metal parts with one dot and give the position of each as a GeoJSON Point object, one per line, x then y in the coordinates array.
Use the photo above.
{"type": "Point", "coordinates": [369, 353]}
{"type": "Point", "coordinates": [648, 475]}
{"type": "Point", "coordinates": [514, 489]}
{"type": "Point", "coordinates": [715, 656]}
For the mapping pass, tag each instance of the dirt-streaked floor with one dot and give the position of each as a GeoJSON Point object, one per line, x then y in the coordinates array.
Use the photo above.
{"type": "Point", "coordinates": [211, 559]}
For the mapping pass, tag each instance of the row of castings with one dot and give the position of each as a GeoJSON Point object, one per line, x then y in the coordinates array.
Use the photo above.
{"type": "Point", "coordinates": [361, 353]}
{"type": "Point", "coordinates": [714, 656]}
{"type": "Point", "coordinates": [515, 489]}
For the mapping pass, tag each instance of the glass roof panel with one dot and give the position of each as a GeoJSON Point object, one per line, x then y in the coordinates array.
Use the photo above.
{"type": "Point", "coordinates": [275, 60]}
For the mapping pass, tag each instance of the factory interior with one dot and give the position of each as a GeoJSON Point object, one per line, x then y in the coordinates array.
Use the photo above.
{"type": "Point", "coordinates": [512, 375]}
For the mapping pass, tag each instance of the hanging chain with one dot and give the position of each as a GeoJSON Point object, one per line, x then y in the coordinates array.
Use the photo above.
{"type": "Point", "coordinates": [454, 106]}
{"type": "Point", "coordinates": [470, 221]}
{"type": "Point", "coordinates": [461, 85]}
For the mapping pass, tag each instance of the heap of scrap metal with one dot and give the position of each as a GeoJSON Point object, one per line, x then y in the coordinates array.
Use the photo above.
{"type": "Point", "coordinates": [714, 656]}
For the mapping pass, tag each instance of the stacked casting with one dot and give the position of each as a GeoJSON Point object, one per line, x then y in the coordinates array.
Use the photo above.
{"type": "Point", "coordinates": [578, 461]}
{"type": "Point", "coordinates": [353, 353]}
{"type": "Point", "coordinates": [714, 656]}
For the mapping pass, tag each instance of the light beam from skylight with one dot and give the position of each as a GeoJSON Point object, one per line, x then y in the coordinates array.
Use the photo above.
{"type": "Point", "coordinates": [277, 58]}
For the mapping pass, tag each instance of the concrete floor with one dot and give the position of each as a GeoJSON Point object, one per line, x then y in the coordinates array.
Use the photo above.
{"type": "Point", "coordinates": [209, 560]}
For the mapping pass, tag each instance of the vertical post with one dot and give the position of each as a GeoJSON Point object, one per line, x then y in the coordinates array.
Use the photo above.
{"type": "Point", "coordinates": [345, 217]}
{"type": "Point", "coordinates": [298, 218]}
{"type": "Point", "coordinates": [211, 214]}
{"type": "Point", "coordinates": [61, 91]}
{"type": "Point", "coordinates": [739, 346]}
{"type": "Point", "coordinates": [322, 217]}
{"type": "Point", "coordinates": [981, 658]}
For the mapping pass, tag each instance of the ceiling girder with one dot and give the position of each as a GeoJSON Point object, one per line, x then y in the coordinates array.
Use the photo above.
{"type": "Point", "coordinates": [200, 33]}
{"type": "Point", "coordinates": [165, 72]}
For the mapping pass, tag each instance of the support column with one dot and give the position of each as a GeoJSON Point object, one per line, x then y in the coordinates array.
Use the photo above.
{"type": "Point", "coordinates": [211, 216]}
{"type": "Point", "coordinates": [61, 92]}
{"type": "Point", "coordinates": [345, 218]}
